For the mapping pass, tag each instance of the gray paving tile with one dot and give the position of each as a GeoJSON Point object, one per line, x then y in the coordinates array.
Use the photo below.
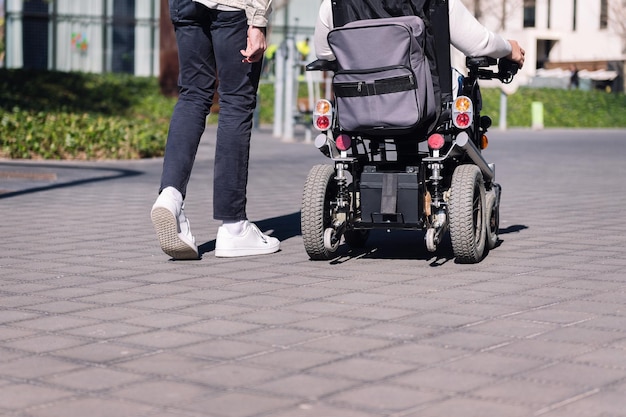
{"type": "Point", "coordinates": [94, 407]}
{"type": "Point", "coordinates": [92, 379]}
{"type": "Point", "coordinates": [22, 396]}
{"type": "Point", "coordinates": [470, 407]}
{"type": "Point", "coordinates": [385, 399]}
{"type": "Point", "coordinates": [98, 353]}
{"type": "Point", "coordinates": [241, 404]}
{"type": "Point", "coordinates": [161, 393]}
{"type": "Point", "coordinates": [445, 381]}
{"type": "Point", "coordinates": [306, 387]}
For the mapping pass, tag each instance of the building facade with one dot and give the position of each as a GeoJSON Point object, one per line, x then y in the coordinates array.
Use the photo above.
{"type": "Point", "coordinates": [123, 35]}
{"type": "Point", "coordinates": [557, 32]}
{"type": "Point", "coordinates": [78, 35]}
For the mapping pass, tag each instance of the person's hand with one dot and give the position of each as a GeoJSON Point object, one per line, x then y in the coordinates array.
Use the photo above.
{"type": "Point", "coordinates": [256, 45]}
{"type": "Point", "coordinates": [517, 53]}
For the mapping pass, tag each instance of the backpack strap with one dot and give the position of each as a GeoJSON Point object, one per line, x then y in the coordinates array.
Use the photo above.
{"type": "Point", "coordinates": [440, 27]}
{"type": "Point", "coordinates": [339, 13]}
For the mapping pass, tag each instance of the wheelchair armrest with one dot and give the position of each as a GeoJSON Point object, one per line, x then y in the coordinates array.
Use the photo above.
{"type": "Point", "coordinates": [322, 65]}
{"type": "Point", "coordinates": [480, 61]}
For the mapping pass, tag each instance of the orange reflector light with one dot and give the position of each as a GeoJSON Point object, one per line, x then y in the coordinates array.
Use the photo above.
{"type": "Point", "coordinates": [322, 107]}
{"type": "Point", "coordinates": [343, 142]}
{"type": "Point", "coordinates": [322, 122]}
{"type": "Point", "coordinates": [462, 103]}
{"type": "Point", "coordinates": [436, 141]}
{"type": "Point", "coordinates": [484, 142]}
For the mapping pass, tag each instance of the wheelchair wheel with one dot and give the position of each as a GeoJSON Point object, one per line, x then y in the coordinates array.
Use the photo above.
{"type": "Point", "coordinates": [317, 213]}
{"type": "Point", "coordinates": [493, 219]}
{"type": "Point", "coordinates": [466, 211]}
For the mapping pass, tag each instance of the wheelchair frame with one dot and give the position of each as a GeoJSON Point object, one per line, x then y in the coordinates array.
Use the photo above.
{"type": "Point", "coordinates": [380, 182]}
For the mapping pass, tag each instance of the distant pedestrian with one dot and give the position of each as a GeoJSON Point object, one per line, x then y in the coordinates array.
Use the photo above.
{"type": "Point", "coordinates": [574, 80]}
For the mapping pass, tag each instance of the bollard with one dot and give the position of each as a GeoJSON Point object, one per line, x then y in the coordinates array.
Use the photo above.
{"type": "Point", "coordinates": [537, 115]}
{"type": "Point", "coordinates": [503, 108]}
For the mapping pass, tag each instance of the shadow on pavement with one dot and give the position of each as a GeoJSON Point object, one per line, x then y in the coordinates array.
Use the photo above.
{"type": "Point", "coordinates": [113, 174]}
{"type": "Point", "coordinates": [380, 245]}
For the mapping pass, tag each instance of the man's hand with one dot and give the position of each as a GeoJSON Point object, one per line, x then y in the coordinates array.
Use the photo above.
{"type": "Point", "coordinates": [517, 53]}
{"type": "Point", "coordinates": [256, 45]}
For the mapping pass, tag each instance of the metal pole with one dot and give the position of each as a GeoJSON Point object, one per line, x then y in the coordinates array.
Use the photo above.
{"type": "Point", "coordinates": [289, 90]}
{"type": "Point", "coordinates": [279, 89]}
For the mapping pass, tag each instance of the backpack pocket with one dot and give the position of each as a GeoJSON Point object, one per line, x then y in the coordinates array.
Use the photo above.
{"type": "Point", "coordinates": [378, 101]}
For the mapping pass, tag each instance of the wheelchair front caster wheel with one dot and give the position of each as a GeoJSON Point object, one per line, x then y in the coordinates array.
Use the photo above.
{"type": "Point", "coordinates": [431, 245]}
{"type": "Point", "coordinates": [331, 242]}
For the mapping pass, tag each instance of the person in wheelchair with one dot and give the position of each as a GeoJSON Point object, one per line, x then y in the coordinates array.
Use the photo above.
{"type": "Point", "coordinates": [393, 90]}
{"type": "Point", "coordinates": [467, 34]}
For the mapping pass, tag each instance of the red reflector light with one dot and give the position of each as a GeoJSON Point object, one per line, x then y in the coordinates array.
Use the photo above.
{"type": "Point", "coordinates": [322, 122]}
{"type": "Point", "coordinates": [436, 141]}
{"type": "Point", "coordinates": [462, 120]}
{"type": "Point", "coordinates": [343, 142]}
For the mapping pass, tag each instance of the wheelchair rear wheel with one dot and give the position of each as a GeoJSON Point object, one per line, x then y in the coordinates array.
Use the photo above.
{"type": "Point", "coordinates": [467, 214]}
{"type": "Point", "coordinates": [320, 241]}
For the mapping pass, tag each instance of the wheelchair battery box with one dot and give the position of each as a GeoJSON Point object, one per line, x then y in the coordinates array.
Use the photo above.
{"type": "Point", "coordinates": [390, 197]}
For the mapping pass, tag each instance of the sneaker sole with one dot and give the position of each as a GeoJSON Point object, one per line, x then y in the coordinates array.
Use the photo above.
{"type": "Point", "coordinates": [166, 228]}
{"type": "Point", "coordinates": [234, 253]}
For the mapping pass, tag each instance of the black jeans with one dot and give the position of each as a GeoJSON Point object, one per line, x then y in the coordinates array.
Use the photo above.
{"type": "Point", "coordinates": [209, 42]}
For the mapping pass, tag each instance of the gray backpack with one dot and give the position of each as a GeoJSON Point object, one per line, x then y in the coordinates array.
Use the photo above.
{"type": "Point", "coordinates": [383, 84]}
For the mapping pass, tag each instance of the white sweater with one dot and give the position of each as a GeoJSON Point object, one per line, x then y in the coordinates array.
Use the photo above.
{"type": "Point", "coordinates": [467, 34]}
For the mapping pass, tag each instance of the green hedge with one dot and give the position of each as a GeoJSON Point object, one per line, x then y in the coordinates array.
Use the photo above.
{"type": "Point", "coordinates": [55, 115]}
{"type": "Point", "coordinates": [561, 108]}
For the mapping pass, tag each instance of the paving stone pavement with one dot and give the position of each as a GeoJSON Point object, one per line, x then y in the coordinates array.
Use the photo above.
{"type": "Point", "coordinates": [96, 321]}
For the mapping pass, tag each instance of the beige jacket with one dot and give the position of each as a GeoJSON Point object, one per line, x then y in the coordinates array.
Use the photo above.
{"type": "Point", "coordinates": [257, 11]}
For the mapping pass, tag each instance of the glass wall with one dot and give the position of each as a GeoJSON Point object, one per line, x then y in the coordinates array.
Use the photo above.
{"type": "Point", "coordinates": [89, 36]}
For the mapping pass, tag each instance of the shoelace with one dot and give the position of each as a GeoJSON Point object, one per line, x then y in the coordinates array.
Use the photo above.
{"type": "Point", "coordinates": [261, 235]}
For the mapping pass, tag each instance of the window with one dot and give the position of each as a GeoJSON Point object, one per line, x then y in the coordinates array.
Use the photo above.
{"type": "Point", "coordinates": [35, 34]}
{"type": "Point", "coordinates": [124, 36]}
{"type": "Point", "coordinates": [549, 13]}
{"type": "Point", "coordinates": [574, 16]}
{"type": "Point", "coordinates": [529, 13]}
{"type": "Point", "coordinates": [604, 14]}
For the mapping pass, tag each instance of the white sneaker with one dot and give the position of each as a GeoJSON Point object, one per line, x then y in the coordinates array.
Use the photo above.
{"type": "Point", "coordinates": [250, 242]}
{"type": "Point", "coordinates": [172, 227]}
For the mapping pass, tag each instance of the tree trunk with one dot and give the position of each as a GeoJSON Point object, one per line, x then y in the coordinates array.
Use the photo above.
{"type": "Point", "coordinates": [168, 57]}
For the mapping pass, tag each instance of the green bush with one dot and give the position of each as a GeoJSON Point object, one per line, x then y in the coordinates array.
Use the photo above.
{"type": "Point", "coordinates": [561, 108]}
{"type": "Point", "coordinates": [55, 115]}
